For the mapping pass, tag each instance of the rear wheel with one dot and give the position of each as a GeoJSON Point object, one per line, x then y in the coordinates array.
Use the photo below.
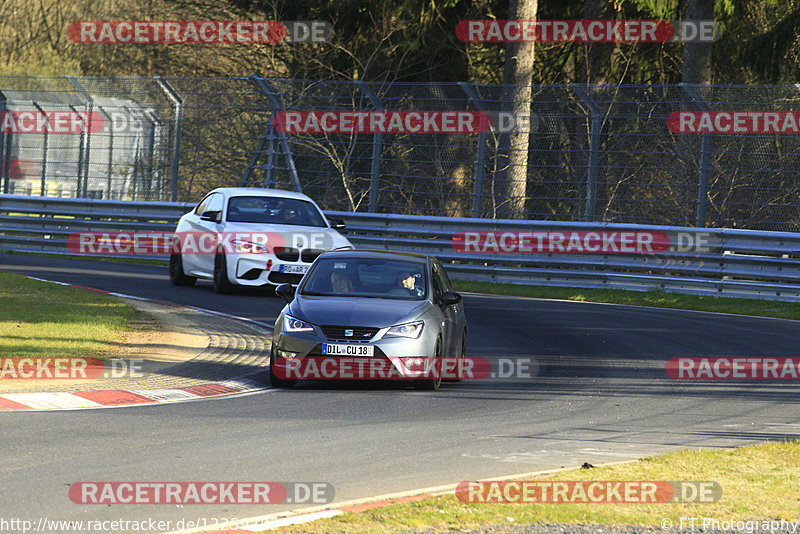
{"type": "Point", "coordinates": [221, 282]}
{"type": "Point", "coordinates": [278, 382]}
{"type": "Point", "coordinates": [176, 275]}
{"type": "Point", "coordinates": [435, 381]}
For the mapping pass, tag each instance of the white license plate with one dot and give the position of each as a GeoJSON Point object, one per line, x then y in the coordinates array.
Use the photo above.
{"type": "Point", "coordinates": [294, 269]}
{"type": "Point", "coordinates": [332, 349]}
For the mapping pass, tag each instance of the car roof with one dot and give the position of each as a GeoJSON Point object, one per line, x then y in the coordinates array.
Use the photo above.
{"type": "Point", "coordinates": [386, 254]}
{"type": "Point", "coordinates": [259, 192]}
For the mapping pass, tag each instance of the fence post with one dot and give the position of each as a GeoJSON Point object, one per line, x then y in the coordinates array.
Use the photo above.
{"type": "Point", "coordinates": [176, 136]}
{"type": "Point", "coordinates": [84, 160]}
{"type": "Point", "coordinates": [269, 174]}
{"type": "Point", "coordinates": [705, 160]}
{"type": "Point", "coordinates": [377, 150]}
{"type": "Point", "coordinates": [266, 140]}
{"type": "Point", "coordinates": [265, 88]}
{"type": "Point", "coordinates": [5, 146]}
{"type": "Point", "coordinates": [595, 131]}
{"type": "Point", "coordinates": [43, 189]}
{"type": "Point", "coordinates": [110, 162]}
{"type": "Point", "coordinates": [480, 152]}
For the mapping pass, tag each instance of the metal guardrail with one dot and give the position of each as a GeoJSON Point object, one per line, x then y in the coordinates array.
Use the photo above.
{"type": "Point", "coordinates": [736, 263]}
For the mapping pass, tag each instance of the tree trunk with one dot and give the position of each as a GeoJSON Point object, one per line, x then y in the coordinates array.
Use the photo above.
{"type": "Point", "coordinates": [697, 55]}
{"type": "Point", "coordinates": [598, 55]}
{"type": "Point", "coordinates": [517, 73]}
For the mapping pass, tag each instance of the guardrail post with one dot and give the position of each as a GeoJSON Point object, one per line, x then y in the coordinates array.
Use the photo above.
{"type": "Point", "coordinates": [480, 152]}
{"type": "Point", "coordinates": [176, 136]}
{"type": "Point", "coordinates": [705, 159]}
{"type": "Point", "coordinates": [593, 167]}
{"type": "Point", "coordinates": [377, 150]}
{"type": "Point", "coordinates": [265, 88]}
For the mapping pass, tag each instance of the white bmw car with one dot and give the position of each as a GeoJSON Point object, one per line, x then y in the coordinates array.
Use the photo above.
{"type": "Point", "coordinates": [253, 237]}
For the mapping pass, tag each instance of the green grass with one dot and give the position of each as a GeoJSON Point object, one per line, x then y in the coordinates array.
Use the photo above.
{"type": "Point", "coordinates": [758, 482]}
{"type": "Point", "coordinates": [39, 319]}
{"type": "Point", "coordinates": [121, 259]}
{"type": "Point", "coordinates": [660, 299]}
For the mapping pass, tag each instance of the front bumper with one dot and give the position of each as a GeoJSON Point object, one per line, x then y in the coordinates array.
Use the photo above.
{"type": "Point", "coordinates": [400, 358]}
{"type": "Point", "coordinates": [263, 269]}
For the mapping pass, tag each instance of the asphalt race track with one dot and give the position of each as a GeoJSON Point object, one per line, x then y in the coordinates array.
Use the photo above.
{"type": "Point", "coordinates": [601, 394]}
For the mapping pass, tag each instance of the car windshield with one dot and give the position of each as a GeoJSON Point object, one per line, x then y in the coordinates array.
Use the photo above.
{"type": "Point", "coordinates": [274, 210]}
{"type": "Point", "coordinates": [366, 277]}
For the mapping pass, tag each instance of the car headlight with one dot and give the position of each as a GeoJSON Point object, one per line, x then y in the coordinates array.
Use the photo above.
{"type": "Point", "coordinates": [412, 330]}
{"type": "Point", "coordinates": [247, 247]}
{"type": "Point", "coordinates": [295, 325]}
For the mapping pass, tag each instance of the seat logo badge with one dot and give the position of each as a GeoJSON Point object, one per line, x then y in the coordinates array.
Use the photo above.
{"type": "Point", "coordinates": [348, 332]}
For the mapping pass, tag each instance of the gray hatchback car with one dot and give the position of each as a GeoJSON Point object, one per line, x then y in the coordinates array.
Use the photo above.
{"type": "Point", "coordinates": [370, 315]}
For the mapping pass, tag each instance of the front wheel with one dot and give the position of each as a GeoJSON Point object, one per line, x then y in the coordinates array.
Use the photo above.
{"type": "Point", "coordinates": [433, 383]}
{"type": "Point", "coordinates": [458, 371]}
{"type": "Point", "coordinates": [176, 274]}
{"type": "Point", "coordinates": [278, 382]}
{"type": "Point", "coordinates": [221, 283]}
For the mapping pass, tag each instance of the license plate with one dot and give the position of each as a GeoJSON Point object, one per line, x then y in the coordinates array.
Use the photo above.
{"type": "Point", "coordinates": [332, 349]}
{"type": "Point", "coordinates": [294, 269]}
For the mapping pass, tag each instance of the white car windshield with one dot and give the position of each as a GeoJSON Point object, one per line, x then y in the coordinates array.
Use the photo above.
{"type": "Point", "coordinates": [274, 210]}
{"type": "Point", "coordinates": [366, 277]}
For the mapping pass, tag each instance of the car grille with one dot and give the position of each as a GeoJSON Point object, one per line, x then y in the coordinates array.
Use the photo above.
{"type": "Point", "coordinates": [316, 352]}
{"type": "Point", "coordinates": [310, 254]}
{"type": "Point", "coordinates": [287, 253]}
{"type": "Point", "coordinates": [360, 333]}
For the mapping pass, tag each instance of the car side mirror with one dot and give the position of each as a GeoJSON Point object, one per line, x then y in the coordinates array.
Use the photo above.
{"type": "Point", "coordinates": [450, 297]}
{"type": "Point", "coordinates": [286, 292]}
{"type": "Point", "coordinates": [213, 216]}
{"type": "Point", "coordinates": [337, 224]}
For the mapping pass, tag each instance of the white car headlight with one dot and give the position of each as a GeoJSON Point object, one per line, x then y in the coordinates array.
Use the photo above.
{"type": "Point", "coordinates": [411, 330]}
{"type": "Point", "coordinates": [246, 247]}
{"type": "Point", "coordinates": [295, 325]}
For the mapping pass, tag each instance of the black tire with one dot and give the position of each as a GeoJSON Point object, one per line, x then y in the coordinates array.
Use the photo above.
{"type": "Point", "coordinates": [221, 283]}
{"type": "Point", "coordinates": [176, 275]}
{"type": "Point", "coordinates": [278, 382]}
{"type": "Point", "coordinates": [459, 370]}
{"type": "Point", "coordinates": [432, 384]}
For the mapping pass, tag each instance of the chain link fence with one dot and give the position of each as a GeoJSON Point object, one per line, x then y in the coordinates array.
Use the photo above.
{"type": "Point", "coordinates": [596, 153]}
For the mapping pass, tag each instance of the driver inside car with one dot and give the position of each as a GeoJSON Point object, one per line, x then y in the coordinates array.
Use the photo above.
{"type": "Point", "coordinates": [341, 283]}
